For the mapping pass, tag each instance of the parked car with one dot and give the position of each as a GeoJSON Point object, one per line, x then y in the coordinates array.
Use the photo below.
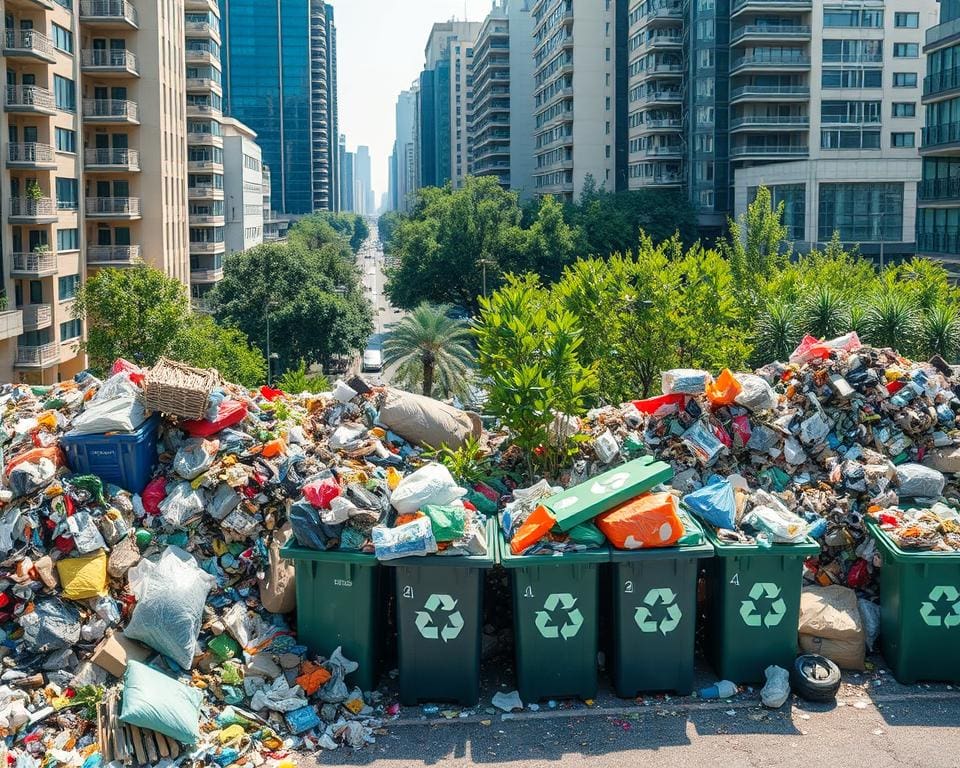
{"type": "Point", "coordinates": [372, 360]}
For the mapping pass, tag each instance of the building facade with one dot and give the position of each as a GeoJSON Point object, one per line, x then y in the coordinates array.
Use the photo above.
{"type": "Point", "coordinates": [579, 102]}
{"type": "Point", "coordinates": [278, 81]}
{"type": "Point", "coordinates": [347, 191]}
{"type": "Point", "coordinates": [938, 200]}
{"type": "Point", "coordinates": [404, 172]}
{"type": "Point", "coordinates": [362, 180]}
{"type": "Point", "coordinates": [489, 135]}
{"type": "Point", "coordinates": [243, 173]}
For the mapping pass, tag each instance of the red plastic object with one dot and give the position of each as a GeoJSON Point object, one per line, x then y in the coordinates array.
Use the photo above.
{"type": "Point", "coordinates": [125, 366]}
{"type": "Point", "coordinates": [487, 491]}
{"type": "Point", "coordinates": [270, 393]}
{"type": "Point", "coordinates": [153, 494]}
{"type": "Point", "coordinates": [322, 492]}
{"type": "Point", "coordinates": [895, 386]}
{"type": "Point", "coordinates": [660, 405]}
{"type": "Point", "coordinates": [859, 575]}
{"type": "Point", "coordinates": [229, 413]}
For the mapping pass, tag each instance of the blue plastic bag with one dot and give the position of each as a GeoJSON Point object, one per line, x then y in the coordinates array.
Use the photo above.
{"type": "Point", "coordinates": [714, 504]}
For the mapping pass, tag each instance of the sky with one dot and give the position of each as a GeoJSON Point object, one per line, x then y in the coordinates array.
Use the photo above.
{"type": "Point", "coordinates": [379, 53]}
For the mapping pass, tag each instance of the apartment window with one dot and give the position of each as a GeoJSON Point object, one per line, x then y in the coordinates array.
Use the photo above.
{"type": "Point", "coordinates": [70, 330]}
{"type": "Point", "coordinates": [705, 59]}
{"type": "Point", "coordinates": [906, 50]}
{"type": "Point", "coordinates": [850, 111]}
{"type": "Point", "coordinates": [67, 287]}
{"type": "Point", "coordinates": [904, 109]}
{"type": "Point", "coordinates": [861, 212]}
{"type": "Point", "coordinates": [65, 94]}
{"type": "Point", "coordinates": [853, 51]}
{"type": "Point", "coordinates": [68, 240]}
{"type": "Point", "coordinates": [704, 115]}
{"type": "Point", "coordinates": [705, 29]}
{"type": "Point", "coordinates": [838, 17]}
{"type": "Point", "coordinates": [904, 79]}
{"type": "Point", "coordinates": [906, 139]}
{"type": "Point", "coordinates": [851, 78]}
{"type": "Point", "coordinates": [705, 87]}
{"type": "Point", "coordinates": [703, 142]}
{"type": "Point", "coordinates": [67, 194]}
{"type": "Point", "coordinates": [68, 4]}
{"type": "Point", "coordinates": [854, 138]}
{"type": "Point", "coordinates": [906, 20]}
{"type": "Point", "coordinates": [66, 140]}
{"type": "Point", "coordinates": [62, 38]}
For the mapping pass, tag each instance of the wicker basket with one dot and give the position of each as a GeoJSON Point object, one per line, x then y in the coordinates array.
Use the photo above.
{"type": "Point", "coordinates": [178, 389]}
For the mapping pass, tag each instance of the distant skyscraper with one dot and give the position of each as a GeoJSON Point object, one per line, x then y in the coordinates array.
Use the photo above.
{"type": "Point", "coordinates": [362, 172]}
{"type": "Point", "coordinates": [405, 180]}
{"type": "Point", "coordinates": [347, 192]}
{"type": "Point", "coordinates": [290, 106]}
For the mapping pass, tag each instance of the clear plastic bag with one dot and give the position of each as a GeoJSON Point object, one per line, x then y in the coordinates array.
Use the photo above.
{"type": "Point", "coordinates": [432, 484]}
{"type": "Point", "coordinates": [194, 458]}
{"type": "Point", "coordinates": [182, 505]}
{"type": "Point", "coordinates": [412, 539]}
{"type": "Point", "coordinates": [171, 594]}
{"type": "Point", "coordinates": [919, 482]}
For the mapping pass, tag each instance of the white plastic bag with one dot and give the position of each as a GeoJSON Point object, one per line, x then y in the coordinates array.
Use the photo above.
{"type": "Point", "coordinates": [121, 414]}
{"type": "Point", "coordinates": [195, 457]}
{"type": "Point", "coordinates": [432, 484]}
{"type": "Point", "coordinates": [755, 393]}
{"type": "Point", "coordinates": [919, 482]}
{"type": "Point", "coordinates": [171, 594]}
{"type": "Point", "coordinates": [413, 539]}
{"type": "Point", "coordinates": [182, 504]}
{"type": "Point", "coordinates": [770, 516]}
{"type": "Point", "coordinates": [118, 385]}
{"type": "Point", "coordinates": [688, 381]}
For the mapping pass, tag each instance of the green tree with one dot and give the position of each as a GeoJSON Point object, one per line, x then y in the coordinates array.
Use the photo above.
{"type": "Point", "coordinates": [550, 242]}
{"type": "Point", "coordinates": [387, 226]}
{"type": "Point", "coordinates": [893, 319]}
{"type": "Point", "coordinates": [203, 343]}
{"type": "Point", "coordinates": [824, 312]}
{"type": "Point", "coordinates": [318, 229]}
{"type": "Point", "coordinates": [313, 297]}
{"type": "Point", "coordinates": [136, 313]}
{"type": "Point", "coordinates": [432, 351]}
{"type": "Point", "coordinates": [299, 379]}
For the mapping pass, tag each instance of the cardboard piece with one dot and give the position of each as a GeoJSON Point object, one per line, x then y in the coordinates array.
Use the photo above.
{"type": "Point", "coordinates": [115, 650]}
{"type": "Point", "coordinates": [946, 460]}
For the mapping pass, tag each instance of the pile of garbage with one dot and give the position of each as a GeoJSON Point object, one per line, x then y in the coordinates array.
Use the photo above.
{"type": "Point", "coordinates": [174, 583]}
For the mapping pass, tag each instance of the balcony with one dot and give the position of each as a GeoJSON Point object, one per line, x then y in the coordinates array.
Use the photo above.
{"type": "Point", "coordinates": [113, 207]}
{"type": "Point", "coordinates": [204, 192]}
{"type": "Point", "coordinates": [30, 155]}
{"type": "Point", "coordinates": [200, 138]}
{"type": "Point", "coordinates": [661, 151]}
{"type": "Point", "coordinates": [203, 84]}
{"type": "Point", "coordinates": [111, 111]}
{"type": "Point", "coordinates": [30, 98]}
{"type": "Point", "coordinates": [769, 32]}
{"type": "Point", "coordinates": [204, 248]}
{"type": "Point", "coordinates": [655, 126]}
{"type": "Point", "coordinates": [777, 122]}
{"type": "Point", "coordinates": [769, 150]}
{"type": "Point", "coordinates": [201, 56]}
{"type": "Point", "coordinates": [933, 191]}
{"type": "Point", "coordinates": [105, 63]}
{"type": "Point", "coordinates": [945, 241]}
{"type": "Point", "coordinates": [665, 180]}
{"type": "Point", "coordinates": [28, 44]}
{"type": "Point", "coordinates": [202, 5]}
{"type": "Point", "coordinates": [206, 275]}
{"type": "Point", "coordinates": [941, 85]}
{"type": "Point", "coordinates": [660, 97]}
{"type": "Point", "coordinates": [940, 139]}
{"type": "Point", "coordinates": [109, 13]}
{"type": "Point", "coordinates": [202, 304]}
{"type": "Point", "coordinates": [769, 61]}
{"type": "Point", "coordinates": [33, 264]}
{"type": "Point", "coordinates": [774, 6]}
{"type": "Point", "coordinates": [661, 13]}
{"type": "Point", "coordinates": [116, 159]}
{"type": "Point", "coordinates": [27, 210]}
{"type": "Point", "coordinates": [208, 219]}
{"type": "Point", "coordinates": [200, 28]}
{"type": "Point", "coordinates": [663, 39]}
{"type": "Point", "coordinates": [112, 255]}
{"type": "Point", "coordinates": [202, 110]}
{"type": "Point", "coordinates": [770, 92]}
{"type": "Point", "coordinates": [38, 357]}
{"type": "Point", "coordinates": [36, 316]}
{"type": "Point", "coordinates": [31, 5]}
{"type": "Point", "coordinates": [205, 165]}
{"type": "Point", "coordinates": [11, 324]}
{"type": "Point", "coordinates": [941, 35]}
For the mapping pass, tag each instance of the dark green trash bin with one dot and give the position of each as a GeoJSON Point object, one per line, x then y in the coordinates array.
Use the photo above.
{"type": "Point", "coordinates": [440, 625]}
{"type": "Point", "coordinates": [753, 606]}
{"type": "Point", "coordinates": [919, 611]}
{"type": "Point", "coordinates": [555, 619]}
{"type": "Point", "coordinates": [338, 604]}
{"type": "Point", "coordinates": [655, 618]}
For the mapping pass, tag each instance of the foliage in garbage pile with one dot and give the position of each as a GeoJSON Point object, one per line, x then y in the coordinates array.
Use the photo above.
{"type": "Point", "coordinates": [300, 380]}
{"type": "Point", "coordinates": [432, 352]}
{"type": "Point", "coordinates": [311, 297]}
{"type": "Point", "coordinates": [141, 314]}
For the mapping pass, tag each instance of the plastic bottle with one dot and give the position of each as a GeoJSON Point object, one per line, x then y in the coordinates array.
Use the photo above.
{"type": "Point", "coordinates": [721, 690]}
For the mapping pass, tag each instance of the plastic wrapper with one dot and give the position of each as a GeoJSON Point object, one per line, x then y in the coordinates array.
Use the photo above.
{"type": "Point", "coordinates": [182, 505]}
{"type": "Point", "coordinates": [916, 481]}
{"type": "Point", "coordinates": [321, 492]}
{"type": "Point", "coordinates": [309, 530]}
{"type": "Point", "coordinates": [432, 484]}
{"type": "Point", "coordinates": [51, 626]}
{"type": "Point", "coordinates": [770, 517]}
{"type": "Point", "coordinates": [724, 390]}
{"type": "Point", "coordinates": [121, 414]}
{"type": "Point", "coordinates": [411, 539]}
{"type": "Point", "coordinates": [755, 393]}
{"type": "Point", "coordinates": [647, 521]}
{"type": "Point", "coordinates": [703, 443]}
{"type": "Point", "coordinates": [171, 594]}
{"type": "Point", "coordinates": [686, 381]}
{"type": "Point", "coordinates": [449, 523]}
{"type": "Point", "coordinates": [715, 504]}
{"type": "Point", "coordinates": [194, 457]}
{"type": "Point", "coordinates": [27, 478]}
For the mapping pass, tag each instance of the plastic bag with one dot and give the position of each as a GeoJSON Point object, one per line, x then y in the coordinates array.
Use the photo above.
{"type": "Point", "coordinates": [153, 495]}
{"type": "Point", "coordinates": [411, 539]}
{"type": "Point", "coordinates": [776, 691]}
{"type": "Point", "coordinates": [121, 414]}
{"type": "Point", "coordinates": [118, 385]}
{"type": "Point", "coordinates": [688, 381]}
{"type": "Point", "coordinates": [83, 577]}
{"type": "Point", "coordinates": [448, 522]}
{"type": "Point", "coordinates": [224, 501]}
{"type": "Point", "coordinates": [171, 595]}
{"type": "Point", "coordinates": [715, 504]}
{"type": "Point", "coordinates": [587, 535]}
{"type": "Point", "coordinates": [182, 505]}
{"type": "Point", "coordinates": [278, 592]}
{"type": "Point", "coordinates": [919, 482]}
{"type": "Point", "coordinates": [195, 457]}
{"type": "Point", "coordinates": [724, 390]}
{"type": "Point", "coordinates": [309, 530]}
{"type": "Point", "coordinates": [424, 421]}
{"type": "Point", "coordinates": [755, 393]}
{"type": "Point", "coordinates": [771, 517]}
{"type": "Point", "coordinates": [27, 478]}
{"type": "Point", "coordinates": [432, 484]}
{"type": "Point", "coordinates": [647, 521]}
{"type": "Point", "coordinates": [870, 614]}
{"type": "Point", "coordinates": [811, 348]}
{"type": "Point", "coordinates": [321, 492]}
{"type": "Point", "coordinates": [159, 703]}
{"type": "Point", "coordinates": [52, 625]}
{"type": "Point", "coordinates": [702, 442]}
{"type": "Point", "coordinates": [537, 525]}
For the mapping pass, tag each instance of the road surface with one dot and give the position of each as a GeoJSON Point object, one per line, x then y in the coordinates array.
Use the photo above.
{"type": "Point", "coordinates": [371, 260]}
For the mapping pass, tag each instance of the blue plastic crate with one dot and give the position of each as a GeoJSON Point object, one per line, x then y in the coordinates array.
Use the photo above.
{"type": "Point", "coordinates": [125, 459]}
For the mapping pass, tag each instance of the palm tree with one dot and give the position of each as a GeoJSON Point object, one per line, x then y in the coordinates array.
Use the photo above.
{"type": "Point", "coordinates": [776, 333]}
{"type": "Point", "coordinates": [430, 349]}
{"type": "Point", "coordinates": [893, 319]}
{"type": "Point", "coordinates": [940, 332]}
{"type": "Point", "coordinates": [824, 313]}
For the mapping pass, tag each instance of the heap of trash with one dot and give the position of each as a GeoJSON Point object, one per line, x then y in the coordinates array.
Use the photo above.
{"type": "Point", "coordinates": [144, 597]}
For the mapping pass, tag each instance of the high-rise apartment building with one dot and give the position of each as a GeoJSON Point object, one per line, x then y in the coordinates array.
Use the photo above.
{"type": "Point", "coordinates": [362, 182]}
{"type": "Point", "coordinates": [243, 187]}
{"type": "Point", "coordinates": [938, 217]}
{"type": "Point", "coordinates": [205, 146]}
{"type": "Point", "coordinates": [347, 191]}
{"type": "Point", "coordinates": [279, 81]}
{"type": "Point", "coordinates": [580, 100]}
{"type": "Point", "coordinates": [404, 151]}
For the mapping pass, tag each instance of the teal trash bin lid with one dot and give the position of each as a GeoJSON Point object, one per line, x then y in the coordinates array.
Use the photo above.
{"type": "Point", "coordinates": [602, 493]}
{"type": "Point", "coordinates": [728, 549]}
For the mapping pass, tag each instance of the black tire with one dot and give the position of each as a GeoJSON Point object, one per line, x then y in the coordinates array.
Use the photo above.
{"type": "Point", "coordinates": [815, 678]}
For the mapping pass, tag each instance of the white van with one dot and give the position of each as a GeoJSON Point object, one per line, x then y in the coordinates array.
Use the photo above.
{"type": "Point", "coordinates": [372, 360]}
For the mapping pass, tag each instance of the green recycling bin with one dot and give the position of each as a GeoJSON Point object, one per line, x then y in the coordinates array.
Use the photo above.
{"type": "Point", "coordinates": [555, 619]}
{"type": "Point", "coordinates": [338, 604]}
{"type": "Point", "coordinates": [753, 606]}
{"type": "Point", "coordinates": [655, 617]}
{"type": "Point", "coordinates": [919, 611]}
{"type": "Point", "coordinates": [440, 625]}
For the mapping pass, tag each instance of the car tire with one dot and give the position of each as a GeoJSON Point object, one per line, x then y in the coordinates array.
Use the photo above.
{"type": "Point", "coordinates": [815, 678]}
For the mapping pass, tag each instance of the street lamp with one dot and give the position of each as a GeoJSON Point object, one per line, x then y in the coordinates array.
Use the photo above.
{"type": "Point", "coordinates": [270, 356]}
{"type": "Point", "coordinates": [272, 362]}
{"type": "Point", "coordinates": [877, 233]}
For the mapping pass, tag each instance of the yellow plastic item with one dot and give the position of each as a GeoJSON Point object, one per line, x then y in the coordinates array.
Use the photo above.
{"type": "Point", "coordinates": [48, 420]}
{"type": "Point", "coordinates": [83, 577]}
{"type": "Point", "coordinates": [378, 432]}
{"type": "Point", "coordinates": [393, 478]}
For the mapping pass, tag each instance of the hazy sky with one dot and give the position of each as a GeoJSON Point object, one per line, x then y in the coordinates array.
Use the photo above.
{"type": "Point", "coordinates": [379, 52]}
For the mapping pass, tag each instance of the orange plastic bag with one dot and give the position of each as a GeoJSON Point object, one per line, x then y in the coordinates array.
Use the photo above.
{"type": "Point", "coordinates": [724, 389]}
{"type": "Point", "coordinates": [52, 452]}
{"type": "Point", "coordinates": [532, 530]}
{"type": "Point", "coordinates": [650, 520]}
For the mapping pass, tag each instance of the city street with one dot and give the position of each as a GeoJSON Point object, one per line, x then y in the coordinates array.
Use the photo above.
{"type": "Point", "coordinates": [371, 261]}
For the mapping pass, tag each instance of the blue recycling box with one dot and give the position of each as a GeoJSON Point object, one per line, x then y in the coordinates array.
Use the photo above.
{"type": "Point", "coordinates": [125, 459]}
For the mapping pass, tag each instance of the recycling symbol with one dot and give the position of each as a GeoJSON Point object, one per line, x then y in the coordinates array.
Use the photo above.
{"type": "Point", "coordinates": [776, 609]}
{"type": "Point", "coordinates": [560, 617]}
{"type": "Point", "coordinates": [670, 621]}
{"type": "Point", "coordinates": [942, 608]}
{"type": "Point", "coordinates": [426, 619]}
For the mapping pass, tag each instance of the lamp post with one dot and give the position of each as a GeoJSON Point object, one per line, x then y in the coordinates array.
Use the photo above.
{"type": "Point", "coordinates": [271, 356]}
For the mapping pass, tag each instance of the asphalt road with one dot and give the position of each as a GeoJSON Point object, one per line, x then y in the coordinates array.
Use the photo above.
{"type": "Point", "coordinates": [371, 260]}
